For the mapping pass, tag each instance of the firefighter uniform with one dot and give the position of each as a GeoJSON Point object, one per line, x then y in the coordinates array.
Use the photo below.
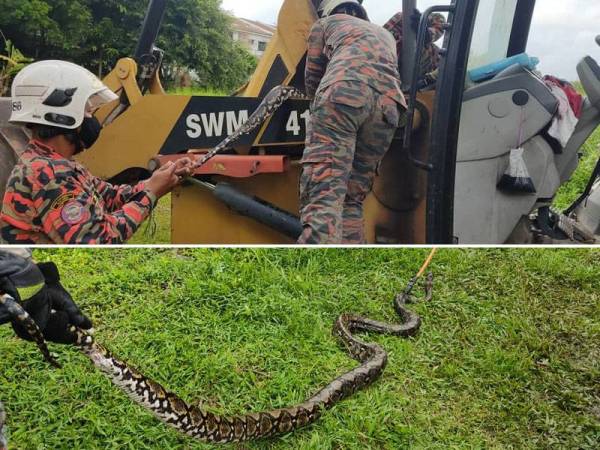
{"type": "Point", "coordinates": [52, 200]}
{"type": "Point", "coordinates": [352, 73]}
{"type": "Point", "coordinates": [430, 56]}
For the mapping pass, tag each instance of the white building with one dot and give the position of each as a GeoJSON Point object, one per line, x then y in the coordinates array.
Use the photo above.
{"type": "Point", "coordinates": [252, 34]}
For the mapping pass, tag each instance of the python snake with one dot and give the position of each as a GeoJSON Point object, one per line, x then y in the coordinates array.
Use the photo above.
{"type": "Point", "coordinates": [271, 103]}
{"type": "Point", "coordinates": [209, 427]}
{"type": "Point", "coordinates": [21, 316]}
{"type": "Point", "coordinates": [3, 440]}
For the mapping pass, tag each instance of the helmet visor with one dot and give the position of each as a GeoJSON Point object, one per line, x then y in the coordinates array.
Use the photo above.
{"type": "Point", "coordinates": [100, 99]}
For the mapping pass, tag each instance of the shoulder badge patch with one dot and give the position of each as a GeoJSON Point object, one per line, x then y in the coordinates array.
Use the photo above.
{"type": "Point", "coordinates": [63, 200]}
{"type": "Point", "coordinates": [74, 213]}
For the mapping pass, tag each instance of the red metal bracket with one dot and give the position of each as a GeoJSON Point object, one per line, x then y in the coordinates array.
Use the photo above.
{"type": "Point", "coordinates": [235, 166]}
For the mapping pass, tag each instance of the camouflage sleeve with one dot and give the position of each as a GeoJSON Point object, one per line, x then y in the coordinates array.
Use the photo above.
{"type": "Point", "coordinates": [316, 61]}
{"type": "Point", "coordinates": [437, 24]}
{"type": "Point", "coordinates": [70, 214]}
{"type": "Point", "coordinates": [394, 25]}
{"type": "Point", "coordinates": [116, 196]}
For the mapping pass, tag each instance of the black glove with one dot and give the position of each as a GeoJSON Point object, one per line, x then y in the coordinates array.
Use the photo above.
{"type": "Point", "coordinates": [52, 307]}
{"type": "Point", "coordinates": [422, 84]}
{"type": "Point", "coordinates": [19, 277]}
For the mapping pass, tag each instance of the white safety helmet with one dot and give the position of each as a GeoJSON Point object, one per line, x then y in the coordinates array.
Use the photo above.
{"type": "Point", "coordinates": [57, 94]}
{"type": "Point", "coordinates": [327, 6]}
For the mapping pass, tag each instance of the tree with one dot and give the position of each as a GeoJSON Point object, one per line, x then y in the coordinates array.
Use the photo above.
{"type": "Point", "coordinates": [10, 64]}
{"type": "Point", "coordinates": [46, 28]}
{"type": "Point", "coordinates": [95, 33]}
{"type": "Point", "coordinates": [203, 36]}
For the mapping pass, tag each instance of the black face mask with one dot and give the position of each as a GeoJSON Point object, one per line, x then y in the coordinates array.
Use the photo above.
{"type": "Point", "coordinates": [89, 132]}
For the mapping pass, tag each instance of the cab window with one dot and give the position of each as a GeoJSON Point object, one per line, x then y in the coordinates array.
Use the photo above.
{"type": "Point", "coordinates": [492, 32]}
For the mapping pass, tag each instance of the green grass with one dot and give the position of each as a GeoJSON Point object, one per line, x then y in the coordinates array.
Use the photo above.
{"type": "Point", "coordinates": [197, 91]}
{"type": "Point", "coordinates": [508, 355]}
{"type": "Point", "coordinates": [571, 191]}
{"type": "Point", "coordinates": [157, 229]}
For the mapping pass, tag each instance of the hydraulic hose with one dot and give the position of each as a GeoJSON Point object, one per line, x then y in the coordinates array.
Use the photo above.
{"type": "Point", "coordinates": [255, 208]}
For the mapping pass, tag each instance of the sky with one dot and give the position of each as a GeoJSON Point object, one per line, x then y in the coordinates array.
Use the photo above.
{"type": "Point", "coordinates": [562, 32]}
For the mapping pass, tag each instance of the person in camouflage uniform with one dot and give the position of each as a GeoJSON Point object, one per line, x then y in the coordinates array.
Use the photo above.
{"type": "Point", "coordinates": [51, 199]}
{"type": "Point", "coordinates": [352, 74]}
{"type": "Point", "coordinates": [430, 54]}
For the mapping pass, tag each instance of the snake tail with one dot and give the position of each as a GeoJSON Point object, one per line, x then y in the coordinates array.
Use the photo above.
{"type": "Point", "coordinates": [3, 440]}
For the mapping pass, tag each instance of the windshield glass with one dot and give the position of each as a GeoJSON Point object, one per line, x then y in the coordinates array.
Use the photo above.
{"type": "Point", "coordinates": [491, 35]}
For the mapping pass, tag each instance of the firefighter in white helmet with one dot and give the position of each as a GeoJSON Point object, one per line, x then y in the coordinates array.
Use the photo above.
{"type": "Point", "coordinates": [51, 199]}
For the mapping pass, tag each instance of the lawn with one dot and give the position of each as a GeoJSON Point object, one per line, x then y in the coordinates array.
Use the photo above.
{"type": "Point", "coordinates": [571, 191]}
{"type": "Point", "coordinates": [157, 229]}
{"type": "Point", "coordinates": [197, 92]}
{"type": "Point", "coordinates": [508, 355]}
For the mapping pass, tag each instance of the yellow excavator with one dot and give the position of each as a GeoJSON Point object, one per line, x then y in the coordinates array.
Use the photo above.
{"type": "Point", "coordinates": [439, 182]}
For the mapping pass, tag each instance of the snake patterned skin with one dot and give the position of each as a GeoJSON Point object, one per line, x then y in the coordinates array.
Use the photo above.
{"type": "Point", "coordinates": [271, 103]}
{"type": "Point", "coordinates": [24, 319]}
{"type": "Point", "coordinates": [3, 440]}
{"type": "Point", "coordinates": [209, 427]}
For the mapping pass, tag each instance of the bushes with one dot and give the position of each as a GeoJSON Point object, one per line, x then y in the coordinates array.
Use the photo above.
{"type": "Point", "coordinates": [10, 64]}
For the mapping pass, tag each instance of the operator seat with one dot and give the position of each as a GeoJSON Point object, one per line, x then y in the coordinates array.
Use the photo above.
{"type": "Point", "coordinates": [495, 115]}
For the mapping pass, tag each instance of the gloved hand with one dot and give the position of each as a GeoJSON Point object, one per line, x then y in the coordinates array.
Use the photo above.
{"type": "Point", "coordinates": [428, 80]}
{"type": "Point", "coordinates": [51, 307]}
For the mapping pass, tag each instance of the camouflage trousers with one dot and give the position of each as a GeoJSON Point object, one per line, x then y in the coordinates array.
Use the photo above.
{"type": "Point", "coordinates": [350, 130]}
